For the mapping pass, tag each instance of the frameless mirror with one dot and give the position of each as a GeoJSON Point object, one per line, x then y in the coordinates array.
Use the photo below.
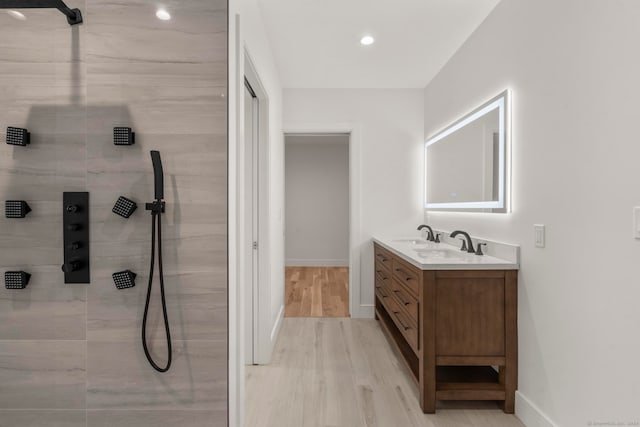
{"type": "Point", "coordinates": [467, 163]}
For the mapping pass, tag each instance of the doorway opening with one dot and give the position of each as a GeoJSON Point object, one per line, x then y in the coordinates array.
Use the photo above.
{"type": "Point", "coordinates": [317, 224]}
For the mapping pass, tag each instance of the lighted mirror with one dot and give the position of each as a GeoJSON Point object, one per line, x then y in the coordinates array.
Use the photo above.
{"type": "Point", "coordinates": [467, 163]}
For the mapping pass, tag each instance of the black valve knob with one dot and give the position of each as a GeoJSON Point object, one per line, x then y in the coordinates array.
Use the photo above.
{"type": "Point", "coordinates": [74, 227]}
{"type": "Point", "coordinates": [71, 266]}
{"type": "Point", "coordinates": [75, 245]}
{"type": "Point", "coordinates": [72, 208]}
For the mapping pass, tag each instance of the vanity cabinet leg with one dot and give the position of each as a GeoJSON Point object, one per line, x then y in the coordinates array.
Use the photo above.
{"type": "Point", "coordinates": [427, 377]}
{"type": "Point", "coordinates": [506, 379]}
{"type": "Point", "coordinates": [509, 373]}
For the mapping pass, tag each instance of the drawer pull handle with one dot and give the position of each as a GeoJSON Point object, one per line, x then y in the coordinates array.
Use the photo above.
{"type": "Point", "coordinates": [400, 298]}
{"type": "Point", "coordinates": [405, 327]}
{"type": "Point", "coordinates": [404, 273]}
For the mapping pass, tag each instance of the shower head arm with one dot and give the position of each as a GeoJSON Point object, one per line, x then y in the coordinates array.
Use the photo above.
{"type": "Point", "coordinates": [74, 16]}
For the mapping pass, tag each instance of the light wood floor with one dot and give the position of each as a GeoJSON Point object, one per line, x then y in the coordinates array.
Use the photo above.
{"type": "Point", "coordinates": [343, 373]}
{"type": "Point", "coordinates": [316, 292]}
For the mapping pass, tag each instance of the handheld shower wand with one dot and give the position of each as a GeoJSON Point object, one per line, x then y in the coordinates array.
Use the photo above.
{"type": "Point", "coordinates": [157, 209]}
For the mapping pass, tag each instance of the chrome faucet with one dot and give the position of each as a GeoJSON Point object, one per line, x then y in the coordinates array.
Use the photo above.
{"type": "Point", "coordinates": [469, 244]}
{"type": "Point", "coordinates": [430, 237]}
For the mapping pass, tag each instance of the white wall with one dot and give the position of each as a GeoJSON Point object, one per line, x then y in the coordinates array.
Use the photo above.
{"type": "Point", "coordinates": [389, 124]}
{"type": "Point", "coordinates": [247, 32]}
{"type": "Point", "coordinates": [317, 200]}
{"type": "Point", "coordinates": [574, 70]}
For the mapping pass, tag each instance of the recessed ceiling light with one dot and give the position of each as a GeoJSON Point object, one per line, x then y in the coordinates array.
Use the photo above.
{"type": "Point", "coordinates": [17, 15]}
{"type": "Point", "coordinates": [163, 15]}
{"type": "Point", "coordinates": [367, 40]}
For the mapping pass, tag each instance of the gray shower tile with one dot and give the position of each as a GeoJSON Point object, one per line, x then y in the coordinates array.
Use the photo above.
{"type": "Point", "coordinates": [45, 310]}
{"type": "Point", "coordinates": [40, 172]}
{"type": "Point", "coordinates": [43, 374]}
{"type": "Point", "coordinates": [156, 418]}
{"type": "Point", "coordinates": [49, 97]}
{"type": "Point", "coordinates": [177, 108]}
{"type": "Point", "coordinates": [198, 155]}
{"type": "Point", "coordinates": [40, 418]}
{"type": "Point", "coordinates": [196, 309]}
{"type": "Point", "coordinates": [128, 30]}
{"type": "Point", "coordinates": [212, 73]}
{"type": "Point", "coordinates": [119, 376]}
{"type": "Point", "coordinates": [44, 37]}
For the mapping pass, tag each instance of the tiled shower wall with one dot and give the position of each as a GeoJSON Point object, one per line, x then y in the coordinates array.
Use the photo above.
{"type": "Point", "coordinates": [70, 355]}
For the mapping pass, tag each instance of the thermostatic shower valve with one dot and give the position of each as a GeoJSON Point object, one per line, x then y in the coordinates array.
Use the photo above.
{"type": "Point", "coordinates": [75, 216]}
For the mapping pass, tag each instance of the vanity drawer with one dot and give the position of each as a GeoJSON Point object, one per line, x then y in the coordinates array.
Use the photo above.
{"type": "Point", "coordinates": [383, 275]}
{"type": "Point", "coordinates": [383, 257]}
{"type": "Point", "coordinates": [382, 291]}
{"type": "Point", "coordinates": [405, 325]}
{"type": "Point", "coordinates": [406, 300]}
{"type": "Point", "coordinates": [408, 275]}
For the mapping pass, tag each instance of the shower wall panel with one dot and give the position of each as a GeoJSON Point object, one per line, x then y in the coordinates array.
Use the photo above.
{"type": "Point", "coordinates": [71, 355]}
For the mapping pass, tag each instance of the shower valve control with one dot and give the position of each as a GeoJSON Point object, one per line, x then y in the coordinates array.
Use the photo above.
{"type": "Point", "coordinates": [71, 266]}
{"type": "Point", "coordinates": [75, 217]}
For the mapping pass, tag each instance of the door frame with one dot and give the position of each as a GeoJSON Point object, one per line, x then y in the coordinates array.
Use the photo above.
{"type": "Point", "coordinates": [261, 287]}
{"type": "Point", "coordinates": [250, 220]}
{"type": "Point", "coordinates": [356, 308]}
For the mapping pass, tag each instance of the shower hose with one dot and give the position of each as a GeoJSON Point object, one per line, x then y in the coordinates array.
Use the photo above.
{"type": "Point", "coordinates": [156, 215]}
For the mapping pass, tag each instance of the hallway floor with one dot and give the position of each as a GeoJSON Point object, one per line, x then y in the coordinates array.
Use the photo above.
{"type": "Point", "coordinates": [344, 373]}
{"type": "Point", "coordinates": [316, 292]}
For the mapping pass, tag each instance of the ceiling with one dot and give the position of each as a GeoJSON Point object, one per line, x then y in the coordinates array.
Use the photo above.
{"type": "Point", "coordinates": [316, 43]}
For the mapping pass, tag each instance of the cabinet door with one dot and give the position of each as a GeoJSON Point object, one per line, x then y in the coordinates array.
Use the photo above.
{"type": "Point", "coordinates": [470, 314]}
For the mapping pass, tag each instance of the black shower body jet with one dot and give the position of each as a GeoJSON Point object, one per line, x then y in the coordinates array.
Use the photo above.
{"type": "Point", "coordinates": [18, 136]}
{"type": "Point", "coordinates": [157, 208]}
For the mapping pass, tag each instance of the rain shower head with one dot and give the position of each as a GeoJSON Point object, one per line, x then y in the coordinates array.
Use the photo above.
{"type": "Point", "coordinates": [158, 175]}
{"type": "Point", "coordinates": [18, 136]}
{"type": "Point", "coordinates": [74, 16]}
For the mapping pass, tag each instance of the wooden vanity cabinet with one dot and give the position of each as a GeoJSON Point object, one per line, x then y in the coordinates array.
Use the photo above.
{"type": "Point", "coordinates": [451, 327]}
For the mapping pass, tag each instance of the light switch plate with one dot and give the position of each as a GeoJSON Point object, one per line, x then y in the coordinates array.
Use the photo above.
{"type": "Point", "coordinates": [538, 235]}
{"type": "Point", "coordinates": [636, 222]}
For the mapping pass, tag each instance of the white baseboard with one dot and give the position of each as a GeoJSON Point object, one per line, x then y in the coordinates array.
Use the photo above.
{"type": "Point", "coordinates": [276, 327]}
{"type": "Point", "coordinates": [530, 414]}
{"type": "Point", "coordinates": [317, 263]}
{"type": "Point", "coordinates": [364, 311]}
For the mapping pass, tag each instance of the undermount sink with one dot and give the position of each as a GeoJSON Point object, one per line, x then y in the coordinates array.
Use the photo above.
{"type": "Point", "coordinates": [438, 253]}
{"type": "Point", "coordinates": [412, 241]}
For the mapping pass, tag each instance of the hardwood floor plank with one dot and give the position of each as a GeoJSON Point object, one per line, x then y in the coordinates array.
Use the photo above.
{"type": "Point", "coordinates": [343, 373]}
{"type": "Point", "coordinates": [317, 292]}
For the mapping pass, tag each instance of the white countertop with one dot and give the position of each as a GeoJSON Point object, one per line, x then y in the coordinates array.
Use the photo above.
{"type": "Point", "coordinates": [441, 256]}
